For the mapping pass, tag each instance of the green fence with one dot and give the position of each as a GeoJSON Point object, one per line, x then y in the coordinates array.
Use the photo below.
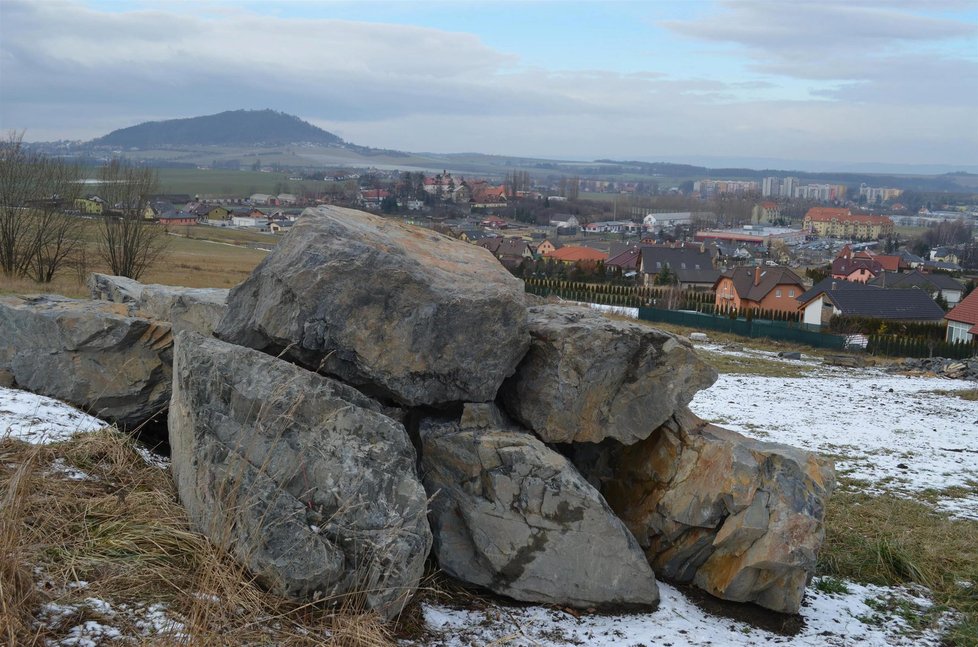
{"type": "Point", "coordinates": [785, 331]}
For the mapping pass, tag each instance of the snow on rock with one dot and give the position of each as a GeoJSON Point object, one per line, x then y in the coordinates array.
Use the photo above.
{"type": "Point", "coordinates": [38, 419]}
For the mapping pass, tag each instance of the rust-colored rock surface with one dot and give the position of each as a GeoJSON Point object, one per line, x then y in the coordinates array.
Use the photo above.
{"type": "Point", "coordinates": [737, 517]}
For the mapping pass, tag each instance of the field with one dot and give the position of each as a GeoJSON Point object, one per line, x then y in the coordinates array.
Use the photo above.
{"type": "Point", "coordinates": [197, 257]}
{"type": "Point", "coordinates": [228, 183]}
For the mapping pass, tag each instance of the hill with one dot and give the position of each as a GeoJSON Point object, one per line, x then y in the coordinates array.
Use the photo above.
{"type": "Point", "coordinates": [234, 127]}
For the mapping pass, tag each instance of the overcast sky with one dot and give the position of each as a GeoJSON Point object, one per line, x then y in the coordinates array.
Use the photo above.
{"type": "Point", "coordinates": [847, 81]}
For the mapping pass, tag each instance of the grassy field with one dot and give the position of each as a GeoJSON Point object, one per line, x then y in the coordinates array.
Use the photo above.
{"type": "Point", "coordinates": [210, 258]}
{"type": "Point", "coordinates": [220, 182]}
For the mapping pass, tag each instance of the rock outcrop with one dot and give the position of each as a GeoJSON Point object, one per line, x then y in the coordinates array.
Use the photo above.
{"type": "Point", "coordinates": [398, 311]}
{"type": "Point", "coordinates": [301, 477]}
{"type": "Point", "coordinates": [737, 517]}
{"type": "Point", "coordinates": [197, 309]}
{"type": "Point", "coordinates": [513, 516]}
{"type": "Point", "coordinates": [88, 353]}
{"type": "Point", "coordinates": [587, 377]}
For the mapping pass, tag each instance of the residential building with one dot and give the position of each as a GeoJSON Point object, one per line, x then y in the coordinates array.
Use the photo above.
{"type": "Point", "coordinates": [570, 254]}
{"type": "Point", "coordinates": [841, 223]}
{"type": "Point", "coordinates": [935, 284]}
{"type": "Point", "coordinates": [694, 266]}
{"type": "Point", "coordinates": [962, 320]}
{"type": "Point", "coordinates": [759, 288]}
{"type": "Point", "coordinates": [868, 301]}
{"type": "Point", "coordinates": [548, 246]}
{"type": "Point", "coordinates": [816, 310]}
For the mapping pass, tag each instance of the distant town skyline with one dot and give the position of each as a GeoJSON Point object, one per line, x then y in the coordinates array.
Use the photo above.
{"type": "Point", "coordinates": [884, 81]}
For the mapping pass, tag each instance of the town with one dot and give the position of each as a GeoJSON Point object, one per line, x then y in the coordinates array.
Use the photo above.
{"type": "Point", "coordinates": [768, 250]}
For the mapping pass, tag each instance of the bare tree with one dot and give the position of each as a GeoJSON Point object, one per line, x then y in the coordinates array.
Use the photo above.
{"type": "Point", "coordinates": [129, 242]}
{"type": "Point", "coordinates": [36, 235]}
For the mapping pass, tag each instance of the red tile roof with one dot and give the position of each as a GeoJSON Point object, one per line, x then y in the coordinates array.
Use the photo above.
{"type": "Point", "coordinates": [966, 311]}
{"type": "Point", "coordinates": [570, 254]}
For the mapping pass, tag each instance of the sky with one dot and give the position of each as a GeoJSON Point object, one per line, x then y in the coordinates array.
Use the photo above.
{"type": "Point", "coordinates": [891, 81]}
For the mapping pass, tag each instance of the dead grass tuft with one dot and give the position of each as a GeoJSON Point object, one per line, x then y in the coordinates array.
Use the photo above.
{"type": "Point", "coordinates": [89, 519]}
{"type": "Point", "coordinates": [889, 540]}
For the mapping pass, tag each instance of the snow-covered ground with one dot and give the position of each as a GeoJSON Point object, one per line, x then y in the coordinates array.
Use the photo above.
{"type": "Point", "coordinates": [893, 432]}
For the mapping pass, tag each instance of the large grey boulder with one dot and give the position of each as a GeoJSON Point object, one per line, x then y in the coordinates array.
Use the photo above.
{"type": "Point", "coordinates": [513, 516]}
{"type": "Point", "coordinates": [197, 309]}
{"type": "Point", "coordinates": [302, 478]}
{"type": "Point", "coordinates": [587, 377]}
{"type": "Point", "coordinates": [88, 353]}
{"type": "Point", "coordinates": [399, 311]}
{"type": "Point", "coordinates": [739, 518]}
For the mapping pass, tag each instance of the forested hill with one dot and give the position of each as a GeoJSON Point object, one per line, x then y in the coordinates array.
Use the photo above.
{"type": "Point", "coordinates": [234, 127]}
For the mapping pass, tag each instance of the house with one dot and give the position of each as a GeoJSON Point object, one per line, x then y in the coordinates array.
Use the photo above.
{"type": "Point", "coordinates": [209, 211]}
{"type": "Point", "coordinates": [934, 284]}
{"type": "Point", "coordinates": [766, 211]}
{"type": "Point", "coordinates": [278, 227]}
{"type": "Point", "coordinates": [177, 219]}
{"type": "Point", "coordinates": [92, 205]}
{"type": "Point", "coordinates": [371, 198]}
{"type": "Point", "coordinates": [759, 288]}
{"type": "Point", "coordinates": [485, 196]}
{"type": "Point", "coordinates": [962, 320]}
{"type": "Point", "coordinates": [944, 255]}
{"type": "Point", "coordinates": [570, 254]}
{"type": "Point", "coordinates": [548, 246]}
{"type": "Point", "coordinates": [841, 223]}
{"type": "Point", "coordinates": [247, 221]}
{"type": "Point", "coordinates": [511, 252]}
{"type": "Point", "coordinates": [259, 198]}
{"type": "Point", "coordinates": [867, 301]}
{"type": "Point", "coordinates": [855, 266]}
{"type": "Point", "coordinates": [817, 309]}
{"type": "Point", "coordinates": [694, 266]}
{"type": "Point", "coordinates": [626, 261]}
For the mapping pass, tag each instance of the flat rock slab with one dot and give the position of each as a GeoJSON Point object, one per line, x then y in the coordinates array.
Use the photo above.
{"type": "Point", "coordinates": [197, 309]}
{"type": "Point", "coordinates": [399, 311]}
{"type": "Point", "coordinates": [587, 377]}
{"type": "Point", "coordinates": [302, 478]}
{"type": "Point", "coordinates": [90, 354]}
{"type": "Point", "coordinates": [739, 518]}
{"type": "Point", "coordinates": [513, 516]}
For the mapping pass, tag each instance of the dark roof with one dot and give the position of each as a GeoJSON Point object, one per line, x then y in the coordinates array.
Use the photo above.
{"type": "Point", "coordinates": [832, 284]}
{"type": "Point", "coordinates": [689, 264]}
{"type": "Point", "coordinates": [626, 259]}
{"type": "Point", "coordinates": [770, 277]}
{"type": "Point", "coordinates": [512, 247]}
{"type": "Point", "coordinates": [916, 279]}
{"type": "Point", "coordinates": [966, 311]}
{"type": "Point", "coordinates": [886, 303]}
{"type": "Point", "coordinates": [846, 266]}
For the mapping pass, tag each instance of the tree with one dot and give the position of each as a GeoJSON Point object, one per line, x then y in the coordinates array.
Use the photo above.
{"type": "Point", "coordinates": [36, 235]}
{"type": "Point", "coordinates": [129, 243]}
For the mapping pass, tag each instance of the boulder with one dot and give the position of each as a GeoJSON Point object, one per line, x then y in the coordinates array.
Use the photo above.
{"type": "Point", "coordinates": [513, 516]}
{"type": "Point", "coordinates": [737, 517]}
{"type": "Point", "coordinates": [302, 478]}
{"type": "Point", "coordinates": [399, 311]}
{"type": "Point", "coordinates": [587, 377]}
{"type": "Point", "coordinates": [197, 309]}
{"type": "Point", "coordinates": [88, 353]}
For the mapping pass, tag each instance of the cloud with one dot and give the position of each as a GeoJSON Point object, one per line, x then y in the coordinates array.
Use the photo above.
{"type": "Point", "coordinates": [874, 50]}
{"type": "Point", "coordinates": [66, 70]}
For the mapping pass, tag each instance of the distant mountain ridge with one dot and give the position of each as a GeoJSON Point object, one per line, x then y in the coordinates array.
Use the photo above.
{"type": "Point", "coordinates": [233, 127]}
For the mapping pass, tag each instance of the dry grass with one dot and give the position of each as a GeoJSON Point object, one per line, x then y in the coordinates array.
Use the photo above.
{"type": "Point", "coordinates": [212, 258]}
{"type": "Point", "coordinates": [122, 532]}
{"type": "Point", "coordinates": [890, 540]}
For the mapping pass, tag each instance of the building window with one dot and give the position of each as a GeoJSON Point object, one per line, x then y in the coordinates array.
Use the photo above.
{"type": "Point", "coordinates": [791, 293]}
{"type": "Point", "coordinates": [777, 293]}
